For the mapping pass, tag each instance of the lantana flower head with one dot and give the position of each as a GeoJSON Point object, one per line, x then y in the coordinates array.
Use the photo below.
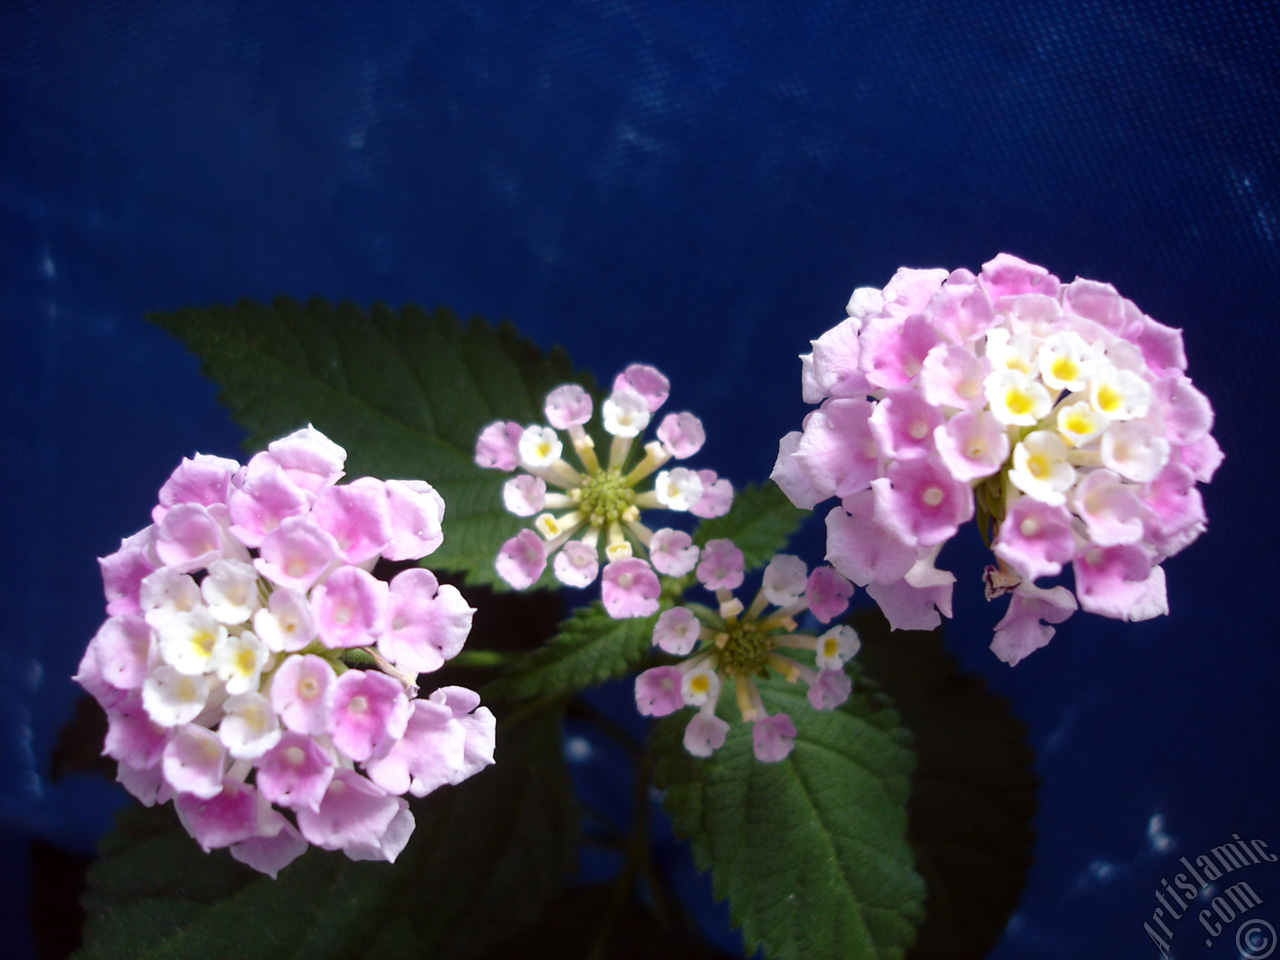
{"type": "Point", "coordinates": [1059, 415]}
{"type": "Point", "coordinates": [221, 664]}
{"type": "Point", "coordinates": [589, 513]}
{"type": "Point", "coordinates": [731, 645]}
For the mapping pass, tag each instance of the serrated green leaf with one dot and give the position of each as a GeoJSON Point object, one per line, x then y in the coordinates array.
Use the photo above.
{"type": "Point", "coordinates": [405, 393]}
{"type": "Point", "coordinates": [973, 792]}
{"type": "Point", "coordinates": [484, 856]}
{"type": "Point", "coordinates": [812, 852]}
{"type": "Point", "coordinates": [760, 522]}
{"type": "Point", "coordinates": [590, 648]}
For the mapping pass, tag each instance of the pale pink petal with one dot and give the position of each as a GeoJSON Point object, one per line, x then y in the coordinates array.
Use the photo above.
{"type": "Point", "coordinates": [133, 738]}
{"type": "Point", "coordinates": [629, 588]}
{"type": "Point", "coordinates": [835, 362]}
{"type": "Point", "coordinates": [123, 646]}
{"type": "Point", "coordinates": [773, 738]}
{"type": "Point", "coordinates": [1161, 346]}
{"type": "Point", "coordinates": [427, 624]}
{"type": "Point", "coordinates": [311, 459]}
{"type": "Point", "coordinates": [521, 559]}
{"type": "Point", "coordinates": [681, 434]}
{"type": "Point", "coordinates": [1187, 413]}
{"type": "Point", "coordinates": [972, 445]}
{"type": "Point", "coordinates": [1120, 583]}
{"type": "Point", "coordinates": [647, 382]}
{"type": "Point", "coordinates": [1035, 538]}
{"type": "Point", "coordinates": [672, 552]}
{"type": "Point", "coordinates": [828, 594]}
{"type": "Point", "coordinates": [353, 813]}
{"type": "Point", "coordinates": [1006, 275]}
{"type": "Point", "coordinates": [368, 712]}
{"type": "Point", "coordinates": [204, 479]}
{"type": "Point", "coordinates": [952, 376]}
{"type": "Point", "coordinates": [566, 406]}
{"type": "Point", "coordinates": [902, 424]}
{"type": "Point", "coordinates": [299, 693]}
{"type": "Point", "coordinates": [189, 538]}
{"type": "Point", "coordinates": [676, 631]}
{"type": "Point", "coordinates": [961, 310]}
{"type": "Point", "coordinates": [295, 773]}
{"type": "Point", "coordinates": [705, 734]}
{"type": "Point", "coordinates": [911, 608]}
{"type": "Point", "coordinates": [658, 691]}
{"type": "Point", "coordinates": [498, 446]}
{"type": "Point", "coordinates": [829, 689]}
{"type": "Point", "coordinates": [1172, 510]}
{"type": "Point", "coordinates": [229, 817]}
{"type": "Point", "coordinates": [194, 761]}
{"type": "Point", "coordinates": [524, 495]}
{"type": "Point", "coordinates": [296, 554]}
{"type": "Point", "coordinates": [1021, 631]}
{"type": "Point", "coordinates": [784, 580]}
{"type": "Point", "coordinates": [721, 567]}
{"type": "Point", "coordinates": [415, 512]}
{"type": "Point", "coordinates": [350, 608]}
{"type": "Point", "coordinates": [262, 501]}
{"type": "Point", "coordinates": [838, 451]}
{"type": "Point", "coordinates": [355, 515]}
{"type": "Point", "coordinates": [792, 477]}
{"type": "Point", "coordinates": [1109, 507]}
{"type": "Point", "coordinates": [477, 721]}
{"type": "Point", "coordinates": [717, 496]}
{"type": "Point", "coordinates": [862, 549]}
{"type": "Point", "coordinates": [270, 853]}
{"type": "Point", "coordinates": [908, 290]}
{"type": "Point", "coordinates": [577, 565]}
{"type": "Point", "coordinates": [429, 755]}
{"type": "Point", "coordinates": [920, 502]}
{"type": "Point", "coordinates": [893, 350]}
{"type": "Point", "coordinates": [1204, 457]}
{"type": "Point", "coordinates": [124, 571]}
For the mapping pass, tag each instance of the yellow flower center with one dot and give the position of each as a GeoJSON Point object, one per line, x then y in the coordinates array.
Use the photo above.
{"type": "Point", "coordinates": [1018, 402]}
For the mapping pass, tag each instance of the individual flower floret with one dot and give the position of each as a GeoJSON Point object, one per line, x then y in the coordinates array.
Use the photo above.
{"type": "Point", "coordinates": [733, 645]}
{"type": "Point", "coordinates": [1057, 414]}
{"type": "Point", "coordinates": [222, 663]}
{"type": "Point", "coordinates": [590, 512]}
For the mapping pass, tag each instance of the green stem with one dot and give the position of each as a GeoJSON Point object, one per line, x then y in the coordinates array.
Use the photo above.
{"type": "Point", "coordinates": [484, 658]}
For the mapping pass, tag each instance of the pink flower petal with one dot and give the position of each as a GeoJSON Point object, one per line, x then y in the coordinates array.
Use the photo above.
{"type": "Point", "coordinates": [629, 588]}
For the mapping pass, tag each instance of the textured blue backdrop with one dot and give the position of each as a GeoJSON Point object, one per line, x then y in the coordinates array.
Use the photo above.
{"type": "Point", "coordinates": [698, 186]}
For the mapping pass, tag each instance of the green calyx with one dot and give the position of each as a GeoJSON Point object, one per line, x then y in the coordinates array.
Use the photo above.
{"type": "Point", "coordinates": [746, 650]}
{"type": "Point", "coordinates": [604, 497]}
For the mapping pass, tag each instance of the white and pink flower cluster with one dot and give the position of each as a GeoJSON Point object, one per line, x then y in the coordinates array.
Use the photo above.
{"type": "Point", "coordinates": [1059, 412]}
{"type": "Point", "coordinates": [599, 507]}
{"type": "Point", "coordinates": [221, 667]}
{"type": "Point", "coordinates": [736, 645]}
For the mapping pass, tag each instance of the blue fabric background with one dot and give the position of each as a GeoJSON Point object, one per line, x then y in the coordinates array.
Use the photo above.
{"type": "Point", "coordinates": [697, 186]}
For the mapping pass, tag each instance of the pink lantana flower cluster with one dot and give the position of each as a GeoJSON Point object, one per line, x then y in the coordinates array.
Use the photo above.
{"type": "Point", "coordinates": [221, 664]}
{"type": "Point", "coordinates": [1059, 414]}
{"type": "Point", "coordinates": [733, 644]}
{"type": "Point", "coordinates": [580, 510]}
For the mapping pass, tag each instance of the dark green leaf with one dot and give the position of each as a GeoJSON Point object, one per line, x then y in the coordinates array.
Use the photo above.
{"type": "Point", "coordinates": [405, 393]}
{"type": "Point", "coordinates": [590, 648]}
{"type": "Point", "coordinates": [973, 792]}
{"type": "Point", "coordinates": [760, 523]}
{"type": "Point", "coordinates": [812, 852]}
{"type": "Point", "coordinates": [485, 855]}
